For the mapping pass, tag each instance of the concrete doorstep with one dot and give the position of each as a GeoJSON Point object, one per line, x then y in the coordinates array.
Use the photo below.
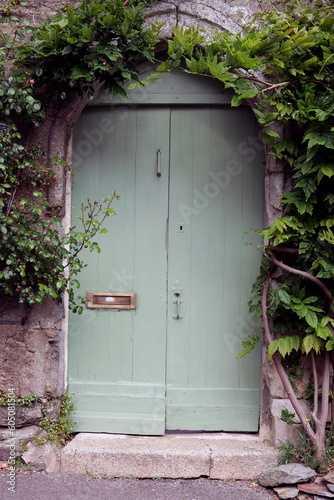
{"type": "Point", "coordinates": [216, 456]}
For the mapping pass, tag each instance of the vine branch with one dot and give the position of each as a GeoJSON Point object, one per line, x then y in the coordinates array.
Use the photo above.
{"type": "Point", "coordinates": [304, 274]}
{"type": "Point", "coordinates": [279, 367]}
{"type": "Point", "coordinates": [316, 387]}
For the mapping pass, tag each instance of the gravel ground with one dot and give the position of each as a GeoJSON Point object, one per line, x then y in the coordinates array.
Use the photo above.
{"type": "Point", "coordinates": [42, 486]}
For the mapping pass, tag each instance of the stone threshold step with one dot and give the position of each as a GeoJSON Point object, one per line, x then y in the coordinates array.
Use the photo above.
{"type": "Point", "coordinates": [217, 456]}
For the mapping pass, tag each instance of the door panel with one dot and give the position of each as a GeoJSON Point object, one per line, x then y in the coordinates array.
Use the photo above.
{"type": "Point", "coordinates": [141, 371]}
{"type": "Point", "coordinates": [117, 358]}
{"type": "Point", "coordinates": [214, 196]}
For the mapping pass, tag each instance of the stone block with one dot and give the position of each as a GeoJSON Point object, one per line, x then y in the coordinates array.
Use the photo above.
{"type": "Point", "coordinates": [286, 474]}
{"type": "Point", "coordinates": [24, 415]}
{"type": "Point", "coordinates": [32, 361]}
{"type": "Point", "coordinates": [281, 431]}
{"type": "Point", "coordinates": [45, 457]}
{"type": "Point", "coordinates": [240, 459]}
{"type": "Point", "coordinates": [164, 12]}
{"type": "Point", "coordinates": [47, 315]}
{"type": "Point", "coordinates": [286, 492]}
{"type": "Point", "coordinates": [318, 490]}
{"type": "Point", "coordinates": [330, 477]}
{"type": "Point", "coordinates": [23, 435]}
{"type": "Point", "coordinates": [275, 384]}
{"type": "Point", "coordinates": [271, 377]}
{"type": "Point", "coordinates": [194, 13]}
{"type": "Point", "coordinates": [139, 456]}
{"type": "Point", "coordinates": [274, 185]}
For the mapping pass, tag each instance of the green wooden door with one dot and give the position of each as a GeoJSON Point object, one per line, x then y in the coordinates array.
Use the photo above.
{"type": "Point", "coordinates": [177, 242]}
{"type": "Point", "coordinates": [215, 195]}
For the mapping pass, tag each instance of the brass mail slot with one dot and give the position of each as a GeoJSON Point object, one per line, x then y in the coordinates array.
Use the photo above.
{"type": "Point", "coordinates": [111, 300]}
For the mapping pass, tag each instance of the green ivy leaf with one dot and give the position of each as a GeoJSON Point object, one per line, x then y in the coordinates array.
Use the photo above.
{"type": "Point", "coordinates": [87, 33]}
{"type": "Point", "coordinates": [311, 318]}
{"type": "Point", "coordinates": [330, 344]}
{"type": "Point", "coordinates": [284, 296]}
{"type": "Point", "coordinates": [272, 348]}
{"type": "Point", "coordinates": [327, 170]}
{"type": "Point", "coordinates": [311, 342]}
{"type": "Point", "coordinates": [249, 345]}
{"type": "Point", "coordinates": [323, 332]}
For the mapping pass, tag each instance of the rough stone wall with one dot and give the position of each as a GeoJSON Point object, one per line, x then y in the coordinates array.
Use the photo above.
{"type": "Point", "coordinates": [33, 357]}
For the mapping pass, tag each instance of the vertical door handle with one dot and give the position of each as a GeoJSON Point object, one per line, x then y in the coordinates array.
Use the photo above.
{"type": "Point", "coordinates": [159, 163]}
{"type": "Point", "coordinates": [178, 303]}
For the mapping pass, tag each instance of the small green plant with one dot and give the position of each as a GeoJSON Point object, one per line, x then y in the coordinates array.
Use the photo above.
{"type": "Point", "coordinates": [248, 345]}
{"type": "Point", "coordinates": [287, 417]}
{"type": "Point", "coordinates": [22, 445]}
{"type": "Point", "coordinates": [9, 5]}
{"type": "Point", "coordinates": [95, 476]}
{"type": "Point", "coordinates": [305, 451]}
{"type": "Point", "coordinates": [28, 400]}
{"type": "Point", "coordinates": [328, 456]}
{"type": "Point", "coordinates": [90, 474]}
{"type": "Point", "coordinates": [60, 429]}
{"type": "Point", "coordinates": [18, 462]}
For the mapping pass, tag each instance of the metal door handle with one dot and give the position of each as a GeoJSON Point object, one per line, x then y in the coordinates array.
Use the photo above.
{"type": "Point", "coordinates": [159, 163]}
{"type": "Point", "coordinates": [178, 303]}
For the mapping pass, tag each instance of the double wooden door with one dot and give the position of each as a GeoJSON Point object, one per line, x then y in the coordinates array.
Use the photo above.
{"type": "Point", "coordinates": [190, 182]}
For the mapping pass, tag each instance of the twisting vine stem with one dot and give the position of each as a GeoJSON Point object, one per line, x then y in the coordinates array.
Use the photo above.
{"type": "Point", "coordinates": [305, 275]}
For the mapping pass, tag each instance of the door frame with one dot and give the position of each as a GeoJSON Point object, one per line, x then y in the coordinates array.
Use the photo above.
{"type": "Point", "coordinates": [155, 98]}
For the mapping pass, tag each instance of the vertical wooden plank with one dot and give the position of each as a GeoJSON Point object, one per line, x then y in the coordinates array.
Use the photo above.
{"type": "Point", "coordinates": [84, 181]}
{"type": "Point", "coordinates": [150, 258]}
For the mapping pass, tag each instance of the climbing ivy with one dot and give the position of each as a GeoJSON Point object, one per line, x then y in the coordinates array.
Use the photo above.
{"type": "Point", "coordinates": [97, 41]}
{"type": "Point", "coordinates": [283, 61]}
